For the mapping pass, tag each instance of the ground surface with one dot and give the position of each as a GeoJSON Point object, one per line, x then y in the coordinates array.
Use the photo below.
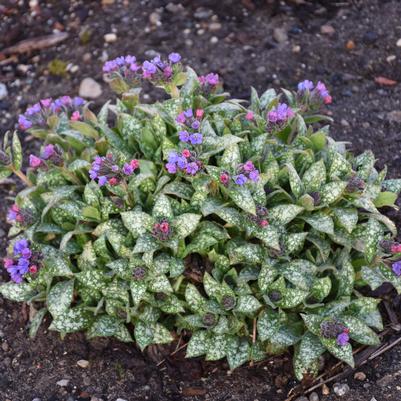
{"type": "Point", "coordinates": [346, 44]}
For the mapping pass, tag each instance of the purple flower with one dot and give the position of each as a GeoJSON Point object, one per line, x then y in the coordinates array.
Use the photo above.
{"type": "Point", "coordinates": [248, 166]}
{"type": "Point", "coordinates": [92, 174]}
{"type": "Point", "coordinates": [78, 101]}
{"type": "Point", "coordinates": [110, 66]}
{"type": "Point", "coordinates": [305, 85]}
{"type": "Point", "coordinates": [254, 175]}
{"type": "Point", "coordinates": [171, 168]}
{"type": "Point", "coordinates": [23, 265]}
{"type": "Point", "coordinates": [192, 168]}
{"type": "Point", "coordinates": [46, 102]}
{"type": "Point", "coordinates": [173, 157]}
{"type": "Point", "coordinates": [182, 162]}
{"type": "Point", "coordinates": [148, 69]}
{"type": "Point", "coordinates": [134, 67]}
{"type": "Point", "coordinates": [120, 61]}
{"type": "Point", "coordinates": [281, 113]}
{"type": "Point", "coordinates": [343, 339]}
{"type": "Point", "coordinates": [322, 90]}
{"type": "Point", "coordinates": [168, 71]}
{"type": "Point", "coordinates": [240, 179]}
{"type": "Point", "coordinates": [180, 118]}
{"type": "Point", "coordinates": [212, 79]}
{"type": "Point", "coordinates": [12, 215]}
{"type": "Point", "coordinates": [26, 253]}
{"type": "Point", "coordinates": [128, 169]}
{"type": "Point", "coordinates": [396, 267]}
{"type": "Point", "coordinates": [196, 139]}
{"type": "Point", "coordinates": [48, 151]}
{"type": "Point", "coordinates": [130, 59]}
{"type": "Point", "coordinates": [20, 245]}
{"type": "Point", "coordinates": [34, 161]}
{"type": "Point", "coordinates": [184, 136]}
{"type": "Point", "coordinates": [174, 57]}
{"type": "Point", "coordinates": [195, 124]}
{"type": "Point", "coordinates": [114, 168]}
{"type": "Point", "coordinates": [188, 113]}
{"type": "Point", "coordinates": [24, 123]}
{"type": "Point", "coordinates": [158, 62]}
{"type": "Point", "coordinates": [102, 180]}
{"type": "Point", "coordinates": [30, 111]}
{"type": "Point", "coordinates": [66, 101]}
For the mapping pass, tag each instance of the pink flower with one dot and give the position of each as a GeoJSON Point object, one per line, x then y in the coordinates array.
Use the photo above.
{"type": "Point", "coordinates": [186, 153]}
{"type": "Point", "coordinates": [8, 262]}
{"type": "Point", "coordinates": [33, 269]}
{"type": "Point", "coordinates": [164, 227]}
{"type": "Point", "coordinates": [180, 118]}
{"type": "Point", "coordinates": [396, 248]}
{"type": "Point", "coordinates": [248, 166]}
{"type": "Point", "coordinates": [35, 161]}
{"type": "Point", "coordinates": [113, 181]}
{"type": "Point", "coordinates": [75, 116]}
{"type": "Point", "coordinates": [224, 178]}
{"type": "Point", "coordinates": [134, 163]}
{"type": "Point", "coordinates": [249, 116]}
{"type": "Point", "coordinates": [328, 99]}
{"type": "Point", "coordinates": [199, 113]}
{"type": "Point", "coordinates": [264, 223]}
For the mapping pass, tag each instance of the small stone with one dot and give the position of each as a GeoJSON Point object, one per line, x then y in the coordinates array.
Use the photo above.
{"type": "Point", "coordinates": [83, 363]}
{"type": "Point", "coordinates": [89, 89]}
{"type": "Point", "coordinates": [5, 347]}
{"type": "Point", "coordinates": [23, 68]}
{"type": "Point", "coordinates": [261, 70]}
{"type": "Point", "coordinates": [314, 397]}
{"type": "Point", "coordinates": [200, 32]}
{"type": "Point", "coordinates": [296, 49]}
{"type": "Point", "coordinates": [215, 26]}
{"type": "Point", "coordinates": [399, 42]}
{"type": "Point", "coordinates": [214, 40]}
{"type": "Point", "coordinates": [174, 8]}
{"type": "Point", "coordinates": [327, 30]}
{"type": "Point", "coordinates": [189, 42]}
{"type": "Point", "coordinates": [350, 45]}
{"type": "Point", "coordinates": [36, 399]}
{"type": "Point", "coordinates": [391, 58]}
{"type": "Point", "coordinates": [280, 35]}
{"type": "Point", "coordinates": [3, 91]}
{"type": "Point", "coordinates": [155, 18]}
{"type": "Point", "coordinates": [203, 13]}
{"type": "Point", "coordinates": [120, 399]}
{"type": "Point", "coordinates": [394, 116]}
{"type": "Point", "coordinates": [370, 37]}
{"type": "Point", "coordinates": [74, 69]}
{"type": "Point", "coordinates": [373, 399]}
{"type": "Point", "coordinates": [63, 383]}
{"type": "Point", "coordinates": [325, 389]}
{"type": "Point", "coordinates": [341, 389]}
{"type": "Point", "coordinates": [107, 2]}
{"type": "Point", "coordinates": [344, 122]}
{"type": "Point", "coordinates": [384, 381]}
{"type": "Point", "coordinates": [301, 399]}
{"type": "Point", "coordinates": [87, 57]}
{"type": "Point", "coordinates": [110, 37]}
{"type": "Point", "coordinates": [360, 376]}
{"type": "Point", "coordinates": [96, 399]}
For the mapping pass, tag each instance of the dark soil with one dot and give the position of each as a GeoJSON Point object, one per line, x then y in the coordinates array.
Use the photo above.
{"type": "Point", "coordinates": [361, 48]}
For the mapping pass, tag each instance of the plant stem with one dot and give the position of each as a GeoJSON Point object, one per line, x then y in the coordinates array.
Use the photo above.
{"type": "Point", "coordinates": [22, 177]}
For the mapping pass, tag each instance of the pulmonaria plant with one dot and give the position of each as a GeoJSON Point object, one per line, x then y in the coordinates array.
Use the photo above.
{"type": "Point", "coordinates": [242, 228]}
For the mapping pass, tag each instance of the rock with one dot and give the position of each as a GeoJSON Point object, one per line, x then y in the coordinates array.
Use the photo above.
{"type": "Point", "coordinates": [350, 45]}
{"type": "Point", "coordinates": [360, 376]}
{"type": "Point", "coordinates": [344, 122]}
{"type": "Point", "coordinates": [327, 30]}
{"type": "Point", "coordinates": [399, 42]}
{"type": "Point", "coordinates": [96, 399]}
{"type": "Point", "coordinates": [3, 91]}
{"type": "Point", "coordinates": [89, 89]}
{"type": "Point", "coordinates": [36, 399]}
{"type": "Point", "coordinates": [5, 347]}
{"type": "Point", "coordinates": [110, 37]}
{"type": "Point", "coordinates": [87, 57]}
{"type": "Point", "coordinates": [280, 35]}
{"type": "Point", "coordinates": [394, 116]}
{"type": "Point", "coordinates": [155, 18]}
{"type": "Point", "coordinates": [325, 389]}
{"type": "Point", "coordinates": [120, 399]}
{"type": "Point", "coordinates": [370, 37]}
{"type": "Point", "coordinates": [83, 363]}
{"type": "Point", "coordinates": [314, 397]}
{"type": "Point", "coordinates": [203, 13]}
{"type": "Point", "coordinates": [174, 8]}
{"type": "Point", "coordinates": [261, 70]}
{"type": "Point", "coordinates": [215, 26]}
{"type": "Point", "coordinates": [391, 58]}
{"type": "Point", "coordinates": [341, 389]}
{"type": "Point", "coordinates": [296, 49]}
{"type": "Point", "coordinates": [63, 383]}
{"type": "Point", "coordinates": [301, 399]}
{"type": "Point", "coordinates": [384, 381]}
{"type": "Point", "coordinates": [373, 399]}
{"type": "Point", "coordinates": [214, 40]}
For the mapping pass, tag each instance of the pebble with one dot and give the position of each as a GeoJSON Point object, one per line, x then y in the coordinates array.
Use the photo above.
{"type": "Point", "coordinates": [189, 42]}
{"type": "Point", "coordinates": [344, 122]}
{"type": "Point", "coordinates": [36, 399]}
{"type": "Point", "coordinates": [399, 42]}
{"type": "Point", "coordinates": [87, 57]}
{"type": "Point", "coordinates": [261, 70]}
{"type": "Point", "coordinates": [360, 376]}
{"type": "Point", "coordinates": [391, 58]}
{"type": "Point", "coordinates": [63, 383]}
{"type": "Point", "coordinates": [96, 399]}
{"type": "Point", "coordinates": [110, 37]}
{"type": "Point", "coordinates": [3, 91]}
{"type": "Point", "coordinates": [341, 389]}
{"type": "Point", "coordinates": [214, 40]}
{"type": "Point", "coordinates": [83, 363]}
{"type": "Point", "coordinates": [174, 8]}
{"type": "Point", "coordinates": [370, 37]}
{"type": "Point", "coordinates": [215, 26]}
{"type": "Point", "coordinates": [23, 68]}
{"type": "Point", "coordinates": [394, 116]}
{"type": "Point", "coordinates": [280, 35]}
{"type": "Point", "coordinates": [314, 397]}
{"type": "Point", "coordinates": [120, 399]}
{"type": "Point", "coordinates": [203, 13]}
{"type": "Point", "coordinates": [325, 389]}
{"type": "Point", "coordinates": [5, 347]}
{"type": "Point", "coordinates": [155, 19]}
{"type": "Point", "coordinates": [89, 89]}
{"type": "Point", "coordinates": [373, 399]}
{"type": "Point", "coordinates": [296, 49]}
{"type": "Point", "coordinates": [301, 399]}
{"type": "Point", "coordinates": [327, 30]}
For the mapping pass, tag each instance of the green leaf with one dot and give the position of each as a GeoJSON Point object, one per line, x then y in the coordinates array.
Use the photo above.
{"type": "Point", "coordinates": [296, 184]}
{"type": "Point", "coordinates": [283, 214]}
{"type": "Point", "coordinates": [94, 279]}
{"type": "Point", "coordinates": [385, 199]}
{"type": "Point", "coordinates": [109, 326]}
{"type": "Point", "coordinates": [145, 243]}
{"type": "Point", "coordinates": [185, 224]}
{"type": "Point", "coordinates": [321, 288]}
{"type": "Point", "coordinates": [72, 320]}
{"type": "Point", "coordinates": [58, 267]}
{"type": "Point", "coordinates": [17, 152]}
{"type": "Point", "coordinates": [231, 157]}
{"type": "Point", "coordinates": [300, 273]}
{"type": "Point", "coordinates": [269, 236]}
{"type": "Point", "coordinates": [180, 189]}
{"type": "Point", "coordinates": [266, 276]}
{"type": "Point", "coordinates": [137, 222]}
{"type": "Point", "coordinates": [237, 351]}
{"type": "Point", "coordinates": [359, 331]}
{"type": "Point", "coordinates": [393, 185]}
{"type": "Point", "coordinates": [347, 218]}
{"type": "Point", "coordinates": [315, 176]}
{"type": "Point", "coordinates": [36, 322]}
{"type": "Point", "coordinates": [294, 242]}
{"type": "Point", "coordinates": [17, 292]}
{"type": "Point", "coordinates": [269, 323]}
{"type": "Point", "coordinates": [247, 304]}
{"type": "Point", "coordinates": [344, 353]}
{"type": "Point", "coordinates": [162, 208]}
{"type": "Point", "coordinates": [320, 222]}
{"type": "Point", "coordinates": [332, 191]}
{"type": "Point", "coordinates": [242, 197]}
{"type": "Point", "coordinates": [216, 347]}
{"type": "Point", "coordinates": [60, 297]}
{"type": "Point", "coordinates": [197, 345]}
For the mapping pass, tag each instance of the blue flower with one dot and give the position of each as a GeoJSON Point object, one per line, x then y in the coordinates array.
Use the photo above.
{"type": "Point", "coordinates": [196, 139]}
{"type": "Point", "coordinates": [240, 179]}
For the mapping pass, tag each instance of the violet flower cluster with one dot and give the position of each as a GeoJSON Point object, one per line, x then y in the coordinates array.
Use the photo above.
{"type": "Point", "coordinates": [36, 116]}
{"type": "Point", "coordinates": [23, 261]}
{"type": "Point", "coordinates": [155, 69]}
{"type": "Point", "coordinates": [280, 114]}
{"type": "Point", "coordinates": [335, 329]}
{"type": "Point", "coordinates": [107, 171]}
{"type": "Point", "coordinates": [19, 215]}
{"type": "Point", "coordinates": [185, 162]}
{"type": "Point", "coordinates": [191, 124]}
{"type": "Point", "coordinates": [260, 219]}
{"type": "Point", "coordinates": [162, 230]}
{"type": "Point", "coordinates": [209, 82]}
{"type": "Point", "coordinates": [318, 92]}
{"type": "Point", "coordinates": [245, 172]}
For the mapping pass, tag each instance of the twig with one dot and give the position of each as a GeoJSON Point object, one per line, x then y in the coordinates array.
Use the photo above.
{"type": "Point", "coordinates": [173, 353]}
{"type": "Point", "coordinates": [253, 338]}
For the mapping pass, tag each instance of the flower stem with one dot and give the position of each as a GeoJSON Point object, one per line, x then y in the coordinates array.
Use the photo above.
{"type": "Point", "coordinates": [22, 177]}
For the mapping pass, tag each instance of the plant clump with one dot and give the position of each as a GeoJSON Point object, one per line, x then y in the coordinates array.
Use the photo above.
{"type": "Point", "coordinates": [283, 220]}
